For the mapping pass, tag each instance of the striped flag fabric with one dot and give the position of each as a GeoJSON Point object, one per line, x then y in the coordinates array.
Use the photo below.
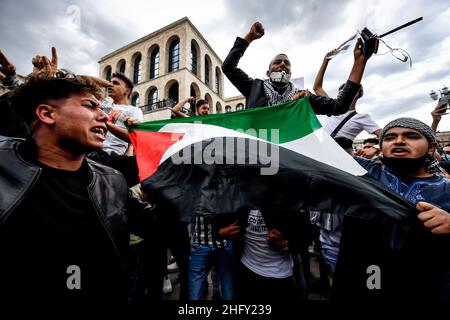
{"type": "Point", "coordinates": [279, 160]}
{"type": "Point", "coordinates": [274, 157]}
{"type": "Point", "coordinates": [293, 126]}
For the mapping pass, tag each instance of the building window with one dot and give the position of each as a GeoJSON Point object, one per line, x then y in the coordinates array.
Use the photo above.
{"type": "Point", "coordinates": [174, 55]}
{"type": "Point", "coordinates": [122, 67]}
{"type": "Point", "coordinates": [153, 96]}
{"type": "Point", "coordinates": [227, 109]}
{"type": "Point", "coordinates": [107, 73]}
{"type": "Point", "coordinates": [217, 82]}
{"type": "Point", "coordinates": [154, 63]}
{"type": "Point", "coordinates": [239, 107]}
{"type": "Point", "coordinates": [193, 94]}
{"type": "Point", "coordinates": [137, 77]}
{"type": "Point", "coordinates": [206, 71]}
{"type": "Point", "coordinates": [135, 100]}
{"type": "Point", "coordinates": [173, 92]}
{"type": "Point", "coordinates": [193, 58]}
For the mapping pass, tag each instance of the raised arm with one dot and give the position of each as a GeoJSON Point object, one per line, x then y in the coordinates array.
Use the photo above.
{"type": "Point", "coordinates": [44, 66]}
{"type": "Point", "coordinates": [359, 64]}
{"type": "Point", "coordinates": [177, 109]}
{"type": "Point", "coordinates": [439, 111]}
{"type": "Point", "coordinates": [237, 76]}
{"type": "Point", "coordinates": [130, 118]}
{"type": "Point", "coordinates": [7, 73]}
{"type": "Point", "coordinates": [7, 66]}
{"type": "Point", "coordinates": [256, 32]}
{"type": "Point", "coordinates": [318, 82]}
{"type": "Point", "coordinates": [340, 105]}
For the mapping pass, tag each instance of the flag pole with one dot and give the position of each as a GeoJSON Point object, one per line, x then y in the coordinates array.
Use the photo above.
{"type": "Point", "coordinates": [401, 27]}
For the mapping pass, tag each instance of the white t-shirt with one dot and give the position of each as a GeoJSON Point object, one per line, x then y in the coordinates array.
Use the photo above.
{"type": "Point", "coordinates": [258, 256]}
{"type": "Point", "coordinates": [359, 122]}
{"type": "Point", "coordinates": [113, 143]}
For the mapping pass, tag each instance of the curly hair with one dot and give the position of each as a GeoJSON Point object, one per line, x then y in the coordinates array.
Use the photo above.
{"type": "Point", "coordinates": [37, 90]}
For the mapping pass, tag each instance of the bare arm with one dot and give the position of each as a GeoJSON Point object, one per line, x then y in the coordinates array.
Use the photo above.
{"type": "Point", "coordinates": [359, 64]}
{"type": "Point", "coordinates": [177, 109]}
{"type": "Point", "coordinates": [231, 231]}
{"type": "Point", "coordinates": [120, 132]}
{"type": "Point", "coordinates": [318, 82]}
{"type": "Point", "coordinates": [437, 113]}
{"type": "Point", "coordinates": [130, 150]}
{"type": "Point", "coordinates": [345, 98]}
{"type": "Point", "coordinates": [277, 239]}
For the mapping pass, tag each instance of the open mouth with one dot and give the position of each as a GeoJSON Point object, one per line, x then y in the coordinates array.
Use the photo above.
{"type": "Point", "coordinates": [400, 151]}
{"type": "Point", "coordinates": [99, 132]}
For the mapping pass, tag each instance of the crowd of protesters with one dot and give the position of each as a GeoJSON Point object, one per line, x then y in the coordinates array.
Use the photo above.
{"type": "Point", "coordinates": [71, 196]}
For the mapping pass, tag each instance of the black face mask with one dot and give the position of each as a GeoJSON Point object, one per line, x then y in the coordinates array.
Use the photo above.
{"type": "Point", "coordinates": [405, 165]}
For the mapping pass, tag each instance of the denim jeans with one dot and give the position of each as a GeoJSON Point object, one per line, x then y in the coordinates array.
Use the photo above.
{"type": "Point", "coordinates": [200, 262]}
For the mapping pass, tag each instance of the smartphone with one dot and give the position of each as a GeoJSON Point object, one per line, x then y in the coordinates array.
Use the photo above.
{"type": "Point", "coordinates": [369, 42]}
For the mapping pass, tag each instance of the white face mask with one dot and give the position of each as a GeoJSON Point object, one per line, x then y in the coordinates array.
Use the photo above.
{"type": "Point", "coordinates": [280, 77]}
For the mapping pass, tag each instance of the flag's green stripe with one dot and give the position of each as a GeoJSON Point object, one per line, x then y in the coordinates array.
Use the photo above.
{"type": "Point", "coordinates": [293, 120]}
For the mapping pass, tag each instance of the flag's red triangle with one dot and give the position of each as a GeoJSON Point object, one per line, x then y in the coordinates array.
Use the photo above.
{"type": "Point", "coordinates": [156, 144]}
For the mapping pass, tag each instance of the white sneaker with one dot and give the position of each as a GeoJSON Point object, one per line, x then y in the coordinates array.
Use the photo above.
{"type": "Point", "coordinates": [167, 286]}
{"type": "Point", "coordinates": [173, 267]}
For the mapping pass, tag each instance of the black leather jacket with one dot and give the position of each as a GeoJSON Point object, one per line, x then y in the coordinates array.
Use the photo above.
{"type": "Point", "coordinates": [117, 211]}
{"type": "Point", "coordinates": [253, 89]}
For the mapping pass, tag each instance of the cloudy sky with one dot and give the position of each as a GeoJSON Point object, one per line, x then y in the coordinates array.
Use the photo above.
{"type": "Point", "coordinates": [305, 30]}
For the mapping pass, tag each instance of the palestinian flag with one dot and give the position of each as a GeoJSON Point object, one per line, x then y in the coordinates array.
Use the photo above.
{"type": "Point", "coordinates": [274, 157]}
{"type": "Point", "coordinates": [293, 126]}
{"type": "Point", "coordinates": [278, 159]}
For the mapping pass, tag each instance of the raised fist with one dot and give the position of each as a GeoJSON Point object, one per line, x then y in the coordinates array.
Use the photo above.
{"type": "Point", "coordinates": [256, 32]}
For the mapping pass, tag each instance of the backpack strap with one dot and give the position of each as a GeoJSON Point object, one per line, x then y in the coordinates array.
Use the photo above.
{"type": "Point", "coordinates": [339, 127]}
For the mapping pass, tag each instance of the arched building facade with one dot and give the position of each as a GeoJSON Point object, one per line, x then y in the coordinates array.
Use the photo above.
{"type": "Point", "coordinates": [168, 65]}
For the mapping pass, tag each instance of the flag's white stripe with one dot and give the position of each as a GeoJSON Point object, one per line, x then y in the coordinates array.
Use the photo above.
{"type": "Point", "coordinates": [196, 132]}
{"type": "Point", "coordinates": [318, 145]}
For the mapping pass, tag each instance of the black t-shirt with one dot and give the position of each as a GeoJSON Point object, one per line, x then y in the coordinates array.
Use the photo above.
{"type": "Point", "coordinates": [56, 227]}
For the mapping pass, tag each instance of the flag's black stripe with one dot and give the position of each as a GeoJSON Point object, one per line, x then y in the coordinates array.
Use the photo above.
{"type": "Point", "coordinates": [300, 182]}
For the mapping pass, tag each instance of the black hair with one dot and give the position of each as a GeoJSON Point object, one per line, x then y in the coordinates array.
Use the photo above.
{"type": "Point", "coordinates": [280, 54]}
{"type": "Point", "coordinates": [371, 140]}
{"type": "Point", "coordinates": [200, 102]}
{"type": "Point", "coordinates": [124, 78]}
{"type": "Point", "coordinates": [37, 90]}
